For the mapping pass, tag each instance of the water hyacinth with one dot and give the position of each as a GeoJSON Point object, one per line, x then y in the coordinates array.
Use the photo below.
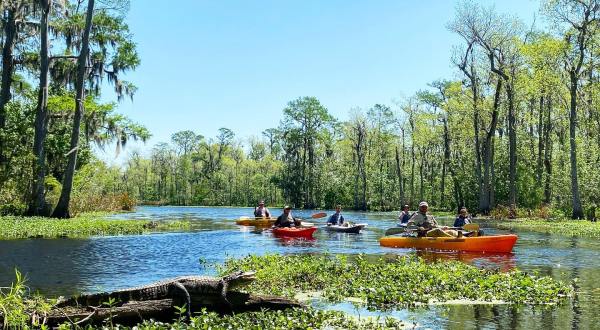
{"type": "Point", "coordinates": [402, 282]}
{"type": "Point", "coordinates": [308, 318]}
{"type": "Point", "coordinates": [572, 228]}
{"type": "Point", "coordinates": [14, 227]}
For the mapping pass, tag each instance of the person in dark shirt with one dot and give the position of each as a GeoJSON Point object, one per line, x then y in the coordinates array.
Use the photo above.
{"type": "Point", "coordinates": [463, 218]}
{"type": "Point", "coordinates": [337, 218]}
{"type": "Point", "coordinates": [286, 219]}
{"type": "Point", "coordinates": [404, 215]}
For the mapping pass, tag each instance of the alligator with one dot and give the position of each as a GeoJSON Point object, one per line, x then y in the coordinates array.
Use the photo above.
{"type": "Point", "coordinates": [178, 289]}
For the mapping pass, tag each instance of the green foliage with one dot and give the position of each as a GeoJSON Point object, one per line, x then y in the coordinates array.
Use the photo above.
{"type": "Point", "coordinates": [308, 318]}
{"type": "Point", "coordinates": [17, 307]}
{"type": "Point", "coordinates": [564, 227]}
{"type": "Point", "coordinates": [84, 225]}
{"type": "Point", "coordinates": [400, 282]}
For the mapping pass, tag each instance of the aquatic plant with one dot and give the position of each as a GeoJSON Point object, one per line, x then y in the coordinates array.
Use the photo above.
{"type": "Point", "coordinates": [572, 228]}
{"type": "Point", "coordinates": [17, 309]}
{"type": "Point", "coordinates": [308, 318]}
{"type": "Point", "coordinates": [401, 282]}
{"type": "Point", "coordinates": [89, 224]}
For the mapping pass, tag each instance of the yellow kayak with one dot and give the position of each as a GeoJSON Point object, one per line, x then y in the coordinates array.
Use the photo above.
{"type": "Point", "coordinates": [251, 221]}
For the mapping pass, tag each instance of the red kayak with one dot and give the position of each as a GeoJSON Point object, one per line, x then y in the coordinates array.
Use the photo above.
{"type": "Point", "coordinates": [295, 232]}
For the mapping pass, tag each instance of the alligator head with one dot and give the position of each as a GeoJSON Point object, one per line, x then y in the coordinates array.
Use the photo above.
{"type": "Point", "coordinates": [239, 278]}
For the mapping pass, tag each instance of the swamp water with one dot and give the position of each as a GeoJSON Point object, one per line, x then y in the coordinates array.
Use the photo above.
{"type": "Point", "coordinates": [67, 266]}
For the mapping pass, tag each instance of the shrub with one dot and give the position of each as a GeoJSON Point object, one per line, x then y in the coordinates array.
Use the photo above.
{"type": "Point", "coordinates": [126, 202]}
{"type": "Point", "coordinates": [500, 212]}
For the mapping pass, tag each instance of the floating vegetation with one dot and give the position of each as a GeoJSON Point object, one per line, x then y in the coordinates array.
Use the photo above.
{"type": "Point", "coordinates": [94, 224]}
{"type": "Point", "coordinates": [572, 228]}
{"type": "Point", "coordinates": [403, 282]}
{"type": "Point", "coordinates": [308, 318]}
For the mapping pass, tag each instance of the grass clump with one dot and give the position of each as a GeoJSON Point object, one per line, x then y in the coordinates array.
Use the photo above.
{"type": "Point", "coordinates": [17, 311]}
{"type": "Point", "coordinates": [571, 228]}
{"type": "Point", "coordinates": [89, 224]}
{"type": "Point", "coordinates": [403, 282]}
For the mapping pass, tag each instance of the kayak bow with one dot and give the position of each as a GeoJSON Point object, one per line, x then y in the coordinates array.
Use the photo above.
{"type": "Point", "coordinates": [251, 221]}
{"type": "Point", "coordinates": [294, 232]}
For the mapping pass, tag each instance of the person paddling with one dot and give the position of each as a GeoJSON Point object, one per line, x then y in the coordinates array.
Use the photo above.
{"type": "Point", "coordinates": [427, 224]}
{"type": "Point", "coordinates": [286, 219]}
{"type": "Point", "coordinates": [261, 211]}
{"type": "Point", "coordinates": [336, 219]}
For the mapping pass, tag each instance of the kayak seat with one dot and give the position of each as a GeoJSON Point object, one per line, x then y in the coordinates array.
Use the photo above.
{"type": "Point", "coordinates": [472, 227]}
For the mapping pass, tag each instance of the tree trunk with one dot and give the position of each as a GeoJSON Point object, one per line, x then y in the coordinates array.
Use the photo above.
{"type": "Point", "coordinates": [512, 144]}
{"type": "Point", "coordinates": [8, 67]}
{"type": "Point", "coordinates": [62, 208]}
{"type": "Point", "coordinates": [37, 202]}
{"type": "Point", "coordinates": [548, 154]}
{"type": "Point", "coordinates": [400, 179]}
{"type": "Point", "coordinates": [421, 168]}
{"type": "Point", "coordinates": [487, 187]}
{"type": "Point", "coordinates": [412, 171]}
{"type": "Point", "coordinates": [477, 146]}
{"type": "Point", "coordinates": [445, 162]}
{"type": "Point", "coordinates": [540, 130]}
{"type": "Point", "coordinates": [577, 209]}
{"type": "Point", "coordinates": [134, 312]}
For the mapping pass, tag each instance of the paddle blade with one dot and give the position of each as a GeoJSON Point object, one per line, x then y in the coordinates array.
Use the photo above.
{"type": "Point", "coordinates": [319, 215]}
{"type": "Point", "coordinates": [395, 231]}
{"type": "Point", "coordinates": [471, 227]}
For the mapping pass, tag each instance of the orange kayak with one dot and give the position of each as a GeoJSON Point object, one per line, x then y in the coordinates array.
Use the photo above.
{"type": "Point", "coordinates": [295, 232]}
{"type": "Point", "coordinates": [498, 243]}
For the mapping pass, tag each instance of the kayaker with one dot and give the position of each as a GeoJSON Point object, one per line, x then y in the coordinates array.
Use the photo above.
{"type": "Point", "coordinates": [404, 215]}
{"type": "Point", "coordinates": [427, 224]}
{"type": "Point", "coordinates": [336, 219]}
{"type": "Point", "coordinates": [463, 218]}
{"type": "Point", "coordinates": [261, 211]}
{"type": "Point", "coordinates": [286, 219]}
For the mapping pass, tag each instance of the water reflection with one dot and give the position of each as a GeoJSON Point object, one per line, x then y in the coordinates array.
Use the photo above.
{"type": "Point", "coordinates": [296, 241]}
{"type": "Point", "coordinates": [67, 266]}
{"type": "Point", "coordinates": [501, 261]}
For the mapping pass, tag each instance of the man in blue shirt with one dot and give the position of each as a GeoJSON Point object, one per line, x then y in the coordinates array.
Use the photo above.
{"type": "Point", "coordinates": [337, 218]}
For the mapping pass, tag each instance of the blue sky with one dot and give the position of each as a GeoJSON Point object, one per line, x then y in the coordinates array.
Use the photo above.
{"type": "Point", "coordinates": [236, 63]}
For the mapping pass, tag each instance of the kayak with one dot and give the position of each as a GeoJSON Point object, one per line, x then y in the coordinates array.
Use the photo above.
{"type": "Point", "coordinates": [294, 232]}
{"type": "Point", "coordinates": [497, 243]}
{"type": "Point", "coordinates": [248, 221]}
{"type": "Point", "coordinates": [355, 228]}
{"type": "Point", "coordinates": [265, 222]}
